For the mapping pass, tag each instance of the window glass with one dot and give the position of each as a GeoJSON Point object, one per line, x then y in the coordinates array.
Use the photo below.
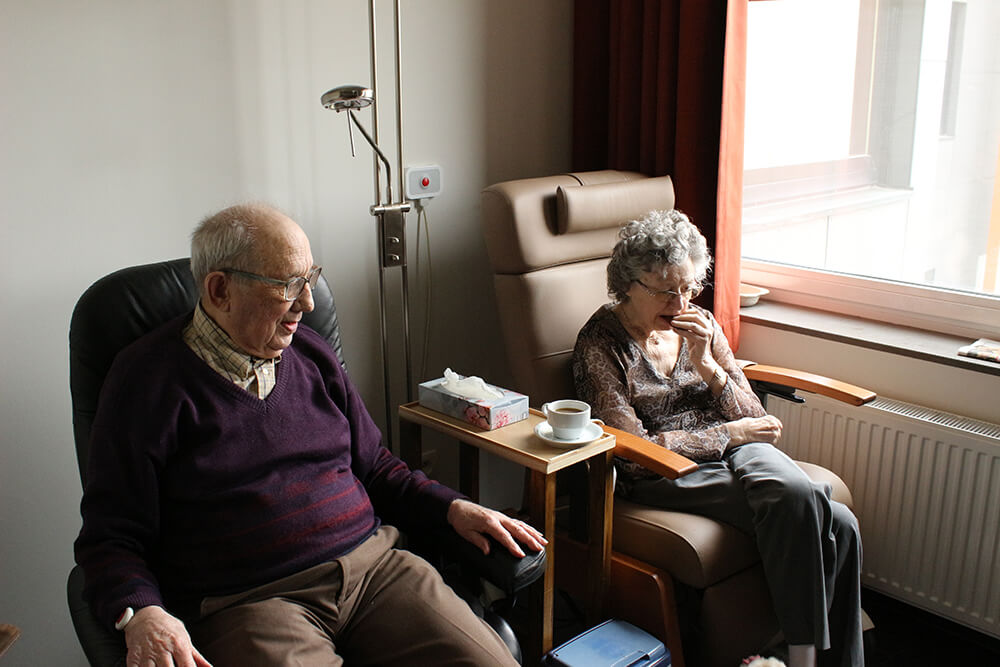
{"type": "Point", "coordinates": [873, 138]}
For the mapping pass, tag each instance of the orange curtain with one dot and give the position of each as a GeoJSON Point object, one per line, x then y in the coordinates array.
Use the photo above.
{"type": "Point", "coordinates": [659, 89]}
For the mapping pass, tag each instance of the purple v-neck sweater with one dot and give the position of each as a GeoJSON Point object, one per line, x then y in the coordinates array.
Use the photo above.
{"type": "Point", "coordinates": [197, 488]}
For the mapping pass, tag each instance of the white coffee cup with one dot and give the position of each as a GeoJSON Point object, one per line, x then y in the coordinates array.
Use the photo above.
{"type": "Point", "coordinates": [567, 418]}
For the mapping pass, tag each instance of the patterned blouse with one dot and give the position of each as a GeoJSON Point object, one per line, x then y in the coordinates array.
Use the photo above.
{"type": "Point", "coordinates": [678, 412]}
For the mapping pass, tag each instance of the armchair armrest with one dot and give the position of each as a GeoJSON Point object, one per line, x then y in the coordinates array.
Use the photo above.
{"type": "Point", "coordinates": [817, 384]}
{"type": "Point", "coordinates": [8, 635]}
{"type": "Point", "coordinates": [500, 567]}
{"type": "Point", "coordinates": [672, 465]}
{"type": "Point", "coordinates": [649, 455]}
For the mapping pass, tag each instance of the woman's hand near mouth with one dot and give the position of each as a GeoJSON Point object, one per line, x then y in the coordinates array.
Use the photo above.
{"type": "Point", "coordinates": [696, 329]}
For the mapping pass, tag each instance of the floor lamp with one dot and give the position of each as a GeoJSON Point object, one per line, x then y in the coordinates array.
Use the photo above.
{"type": "Point", "coordinates": [389, 214]}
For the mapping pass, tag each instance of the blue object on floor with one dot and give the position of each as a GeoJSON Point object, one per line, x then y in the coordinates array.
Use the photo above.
{"type": "Point", "coordinates": [613, 643]}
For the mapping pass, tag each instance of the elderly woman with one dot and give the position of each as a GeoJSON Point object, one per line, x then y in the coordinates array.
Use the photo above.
{"type": "Point", "coordinates": [653, 364]}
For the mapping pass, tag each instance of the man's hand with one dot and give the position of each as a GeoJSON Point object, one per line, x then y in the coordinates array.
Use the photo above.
{"type": "Point", "coordinates": [754, 429]}
{"type": "Point", "coordinates": [472, 521]}
{"type": "Point", "coordinates": [154, 637]}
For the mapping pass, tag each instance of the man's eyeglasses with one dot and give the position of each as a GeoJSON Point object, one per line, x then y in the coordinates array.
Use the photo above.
{"type": "Point", "coordinates": [293, 288]}
{"type": "Point", "coordinates": [667, 295]}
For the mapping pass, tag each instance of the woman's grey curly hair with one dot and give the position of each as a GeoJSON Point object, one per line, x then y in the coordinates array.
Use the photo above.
{"type": "Point", "coordinates": [658, 240]}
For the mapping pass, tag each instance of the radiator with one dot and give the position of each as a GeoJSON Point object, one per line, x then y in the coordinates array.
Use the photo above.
{"type": "Point", "coordinates": [926, 487]}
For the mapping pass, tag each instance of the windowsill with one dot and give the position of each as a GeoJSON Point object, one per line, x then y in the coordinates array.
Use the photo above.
{"type": "Point", "coordinates": [786, 210]}
{"type": "Point", "coordinates": [916, 343]}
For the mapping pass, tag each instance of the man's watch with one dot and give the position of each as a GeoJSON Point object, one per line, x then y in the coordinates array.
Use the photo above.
{"type": "Point", "coordinates": [124, 618]}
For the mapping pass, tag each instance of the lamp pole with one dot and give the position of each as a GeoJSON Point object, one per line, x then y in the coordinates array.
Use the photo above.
{"type": "Point", "coordinates": [390, 215]}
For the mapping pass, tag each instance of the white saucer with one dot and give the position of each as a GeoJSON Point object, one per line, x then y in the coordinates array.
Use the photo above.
{"type": "Point", "coordinates": [590, 433]}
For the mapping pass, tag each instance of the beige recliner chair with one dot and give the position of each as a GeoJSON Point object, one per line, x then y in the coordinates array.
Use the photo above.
{"type": "Point", "coordinates": [549, 240]}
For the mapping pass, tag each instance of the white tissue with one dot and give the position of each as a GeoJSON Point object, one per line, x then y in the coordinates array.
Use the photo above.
{"type": "Point", "coordinates": [471, 388]}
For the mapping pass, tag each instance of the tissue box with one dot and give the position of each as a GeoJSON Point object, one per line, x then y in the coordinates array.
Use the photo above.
{"type": "Point", "coordinates": [487, 414]}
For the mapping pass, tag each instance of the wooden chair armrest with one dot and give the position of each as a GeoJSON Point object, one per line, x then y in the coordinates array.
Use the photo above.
{"type": "Point", "coordinates": [8, 635]}
{"type": "Point", "coordinates": [650, 455]}
{"type": "Point", "coordinates": [817, 384]}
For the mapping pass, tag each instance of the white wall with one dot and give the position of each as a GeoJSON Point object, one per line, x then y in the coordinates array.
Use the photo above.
{"type": "Point", "coordinates": [125, 122]}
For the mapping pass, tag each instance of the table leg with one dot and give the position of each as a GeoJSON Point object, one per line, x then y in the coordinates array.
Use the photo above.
{"type": "Point", "coordinates": [541, 509]}
{"type": "Point", "coordinates": [599, 535]}
{"type": "Point", "coordinates": [468, 471]}
{"type": "Point", "coordinates": [411, 448]}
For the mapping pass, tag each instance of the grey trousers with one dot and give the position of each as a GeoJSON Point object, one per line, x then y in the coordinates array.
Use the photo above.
{"type": "Point", "coordinates": [375, 606]}
{"type": "Point", "coordinates": [810, 545]}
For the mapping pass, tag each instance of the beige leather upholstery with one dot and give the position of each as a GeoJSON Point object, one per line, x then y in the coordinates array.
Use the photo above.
{"type": "Point", "coordinates": [604, 205]}
{"type": "Point", "coordinates": [522, 221]}
{"type": "Point", "coordinates": [549, 283]}
{"type": "Point", "coordinates": [548, 241]}
{"type": "Point", "coordinates": [543, 317]}
{"type": "Point", "coordinates": [697, 551]}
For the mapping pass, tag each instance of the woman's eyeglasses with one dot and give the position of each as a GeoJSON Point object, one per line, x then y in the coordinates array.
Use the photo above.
{"type": "Point", "coordinates": [667, 295]}
{"type": "Point", "coordinates": [293, 288]}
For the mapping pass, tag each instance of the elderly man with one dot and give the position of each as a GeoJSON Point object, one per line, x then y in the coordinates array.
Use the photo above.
{"type": "Point", "coordinates": [237, 486]}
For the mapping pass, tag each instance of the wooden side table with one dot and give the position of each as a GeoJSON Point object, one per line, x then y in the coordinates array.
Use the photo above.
{"type": "Point", "coordinates": [519, 444]}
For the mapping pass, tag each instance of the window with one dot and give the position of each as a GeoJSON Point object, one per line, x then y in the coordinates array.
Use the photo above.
{"type": "Point", "coordinates": [871, 152]}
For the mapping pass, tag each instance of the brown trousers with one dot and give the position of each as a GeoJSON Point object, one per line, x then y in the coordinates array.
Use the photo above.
{"type": "Point", "coordinates": [375, 606]}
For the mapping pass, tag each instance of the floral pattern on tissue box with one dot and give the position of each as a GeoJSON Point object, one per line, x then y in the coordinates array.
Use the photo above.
{"type": "Point", "coordinates": [488, 414]}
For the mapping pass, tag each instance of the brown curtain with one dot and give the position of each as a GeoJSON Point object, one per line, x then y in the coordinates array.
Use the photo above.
{"type": "Point", "coordinates": [659, 89]}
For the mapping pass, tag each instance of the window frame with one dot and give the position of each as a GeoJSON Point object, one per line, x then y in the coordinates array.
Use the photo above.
{"type": "Point", "coordinates": [943, 310]}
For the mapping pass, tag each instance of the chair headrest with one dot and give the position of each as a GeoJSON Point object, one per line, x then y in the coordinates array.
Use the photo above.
{"type": "Point", "coordinates": [535, 223]}
{"type": "Point", "coordinates": [585, 208]}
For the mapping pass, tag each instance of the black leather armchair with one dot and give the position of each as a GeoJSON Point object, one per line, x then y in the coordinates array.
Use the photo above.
{"type": "Point", "coordinates": [125, 305]}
